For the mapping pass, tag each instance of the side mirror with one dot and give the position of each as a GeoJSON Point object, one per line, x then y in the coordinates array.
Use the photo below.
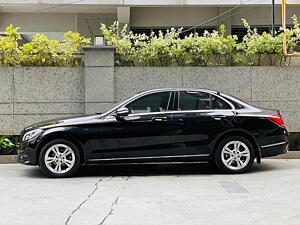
{"type": "Point", "coordinates": [121, 113]}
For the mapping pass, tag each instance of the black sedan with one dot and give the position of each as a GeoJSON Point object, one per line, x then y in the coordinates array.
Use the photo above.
{"type": "Point", "coordinates": [163, 125]}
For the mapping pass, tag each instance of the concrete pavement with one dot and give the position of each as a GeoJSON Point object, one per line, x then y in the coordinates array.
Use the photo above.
{"type": "Point", "coordinates": [184, 194]}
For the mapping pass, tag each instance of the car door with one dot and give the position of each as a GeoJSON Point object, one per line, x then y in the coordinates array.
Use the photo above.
{"type": "Point", "coordinates": [144, 133]}
{"type": "Point", "coordinates": [198, 119]}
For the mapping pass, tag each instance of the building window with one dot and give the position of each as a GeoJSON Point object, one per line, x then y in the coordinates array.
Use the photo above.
{"type": "Point", "coordinates": [241, 31]}
{"type": "Point", "coordinates": [148, 31]}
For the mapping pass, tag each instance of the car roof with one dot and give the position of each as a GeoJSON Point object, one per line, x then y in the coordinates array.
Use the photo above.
{"type": "Point", "coordinates": [180, 89]}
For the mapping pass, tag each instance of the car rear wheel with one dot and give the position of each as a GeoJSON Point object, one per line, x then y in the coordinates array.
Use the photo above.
{"type": "Point", "coordinates": [234, 155]}
{"type": "Point", "coordinates": [59, 158]}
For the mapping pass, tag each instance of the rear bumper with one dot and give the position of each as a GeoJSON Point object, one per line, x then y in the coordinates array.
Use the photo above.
{"type": "Point", "coordinates": [274, 149]}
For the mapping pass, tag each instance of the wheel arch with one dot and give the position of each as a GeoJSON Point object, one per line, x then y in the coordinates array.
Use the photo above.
{"type": "Point", "coordinates": [242, 133]}
{"type": "Point", "coordinates": [60, 135]}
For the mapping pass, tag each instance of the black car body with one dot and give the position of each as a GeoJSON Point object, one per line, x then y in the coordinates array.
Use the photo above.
{"type": "Point", "coordinates": [174, 124]}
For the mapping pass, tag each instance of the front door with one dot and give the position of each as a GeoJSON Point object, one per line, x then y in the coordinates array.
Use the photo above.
{"type": "Point", "coordinates": [144, 133]}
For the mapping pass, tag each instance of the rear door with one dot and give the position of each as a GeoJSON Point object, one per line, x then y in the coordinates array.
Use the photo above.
{"type": "Point", "coordinates": [198, 118]}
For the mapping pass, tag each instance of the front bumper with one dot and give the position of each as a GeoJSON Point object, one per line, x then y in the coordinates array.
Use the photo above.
{"type": "Point", "coordinates": [24, 158]}
{"type": "Point", "coordinates": [28, 153]}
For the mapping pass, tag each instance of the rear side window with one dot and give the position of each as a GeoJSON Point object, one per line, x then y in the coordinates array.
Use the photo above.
{"type": "Point", "coordinates": [190, 100]}
{"type": "Point", "coordinates": [218, 103]}
{"type": "Point", "coordinates": [235, 104]}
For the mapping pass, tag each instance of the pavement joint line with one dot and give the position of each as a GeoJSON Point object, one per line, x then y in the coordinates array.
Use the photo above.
{"type": "Point", "coordinates": [115, 202]}
{"type": "Point", "coordinates": [233, 187]}
{"type": "Point", "coordinates": [110, 212]}
{"type": "Point", "coordinates": [83, 202]}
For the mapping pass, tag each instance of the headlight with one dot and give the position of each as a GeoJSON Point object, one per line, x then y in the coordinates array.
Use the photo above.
{"type": "Point", "coordinates": [31, 134]}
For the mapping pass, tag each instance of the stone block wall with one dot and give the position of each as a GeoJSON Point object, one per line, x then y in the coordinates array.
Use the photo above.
{"type": "Point", "coordinates": [31, 94]}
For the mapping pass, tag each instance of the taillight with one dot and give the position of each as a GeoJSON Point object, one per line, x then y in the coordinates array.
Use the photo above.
{"type": "Point", "coordinates": [276, 119]}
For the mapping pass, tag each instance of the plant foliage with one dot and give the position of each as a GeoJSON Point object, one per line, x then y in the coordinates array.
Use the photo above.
{"type": "Point", "coordinates": [41, 51]}
{"type": "Point", "coordinates": [215, 48]}
{"type": "Point", "coordinates": [9, 144]}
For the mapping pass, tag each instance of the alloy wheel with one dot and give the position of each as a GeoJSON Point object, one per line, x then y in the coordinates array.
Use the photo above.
{"type": "Point", "coordinates": [235, 155]}
{"type": "Point", "coordinates": [59, 158]}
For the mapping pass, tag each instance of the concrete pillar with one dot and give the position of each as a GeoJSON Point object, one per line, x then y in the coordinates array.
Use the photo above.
{"type": "Point", "coordinates": [123, 15]}
{"type": "Point", "coordinates": [99, 78]}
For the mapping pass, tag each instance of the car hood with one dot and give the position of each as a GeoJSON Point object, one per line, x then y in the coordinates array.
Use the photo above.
{"type": "Point", "coordinates": [73, 120]}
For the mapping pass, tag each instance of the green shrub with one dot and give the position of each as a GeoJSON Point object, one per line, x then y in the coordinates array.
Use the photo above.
{"type": "Point", "coordinates": [194, 50]}
{"type": "Point", "coordinates": [9, 145]}
{"type": "Point", "coordinates": [255, 46]}
{"type": "Point", "coordinates": [41, 51]}
{"type": "Point", "coordinates": [169, 49]}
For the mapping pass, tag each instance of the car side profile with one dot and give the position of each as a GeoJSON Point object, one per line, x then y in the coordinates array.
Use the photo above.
{"type": "Point", "coordinates": [162, 125]}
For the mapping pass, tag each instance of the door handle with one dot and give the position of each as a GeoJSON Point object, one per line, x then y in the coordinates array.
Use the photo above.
{"type": "Point", "coordinates": [132, 118]}
{"type": "Point", "coordinates": [159, 119]}
{"type": "Point", "coordinates": [219, 117]}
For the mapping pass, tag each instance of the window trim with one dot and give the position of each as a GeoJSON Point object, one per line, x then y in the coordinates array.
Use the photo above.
{"type": "Point", "coordinates": [182, 111]}
{"type": "Point", "coordinates": [123, 104]}
{"type": "Point", "coordinates": [170, 96]}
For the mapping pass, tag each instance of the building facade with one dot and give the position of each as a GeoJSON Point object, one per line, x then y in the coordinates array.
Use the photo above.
{"type": "Point", "coordinates": [54, 17]}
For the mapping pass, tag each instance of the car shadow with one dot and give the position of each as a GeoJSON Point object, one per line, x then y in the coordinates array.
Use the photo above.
{"type": "Point", "coordinates": [149, 170]}
{"type": "Point", "coordinates": [121, 170]}
{"type": "Point", "coordinates": [174, 169]}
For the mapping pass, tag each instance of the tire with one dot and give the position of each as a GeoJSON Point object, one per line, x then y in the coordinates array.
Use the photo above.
{"type": "Point", "coordinates": [62, 163]}
{"type": "Point", "coordinates": [234, 155]}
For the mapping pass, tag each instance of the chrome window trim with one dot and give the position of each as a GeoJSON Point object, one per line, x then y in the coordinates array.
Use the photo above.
{"type": "Point", "coordinates": [170, 95]}
{"type": "Point", "coordinates": [178, 112]}
{"type": "Point", "coordinates": [175, 90]}
{"type": "Point", "coordinates": [178, 97]}
{"type": "Point", "coordinates": [150, 157]}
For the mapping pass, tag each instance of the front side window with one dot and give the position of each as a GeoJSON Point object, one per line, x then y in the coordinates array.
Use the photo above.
{"type": "Point", "coordinates": [194, 100]}
{"type": "Point", "coordinates": [156, 102]}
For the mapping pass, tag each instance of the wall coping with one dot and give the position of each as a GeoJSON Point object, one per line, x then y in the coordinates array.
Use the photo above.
{"type": "Point", "coordinates": [97, 47]}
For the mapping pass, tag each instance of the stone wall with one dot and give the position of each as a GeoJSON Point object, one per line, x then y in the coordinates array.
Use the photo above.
{"type": "Point", "coordinates": [264, 86]}
{"type": "Point", "coordinates": [31, 94]}
{"type": "Point", "coordinates": [267, 87]}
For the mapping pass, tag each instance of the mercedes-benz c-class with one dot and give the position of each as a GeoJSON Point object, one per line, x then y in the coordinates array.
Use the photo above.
{"type": "Point", "coordinates": [162, 125]}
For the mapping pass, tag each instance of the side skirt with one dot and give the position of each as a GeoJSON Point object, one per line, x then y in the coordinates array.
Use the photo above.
{"type": "Point", "coordinates": [147, 159]}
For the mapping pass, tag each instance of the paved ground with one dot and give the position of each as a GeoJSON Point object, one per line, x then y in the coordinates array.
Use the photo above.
{"type": "Point", "coordinates": [149, 194]}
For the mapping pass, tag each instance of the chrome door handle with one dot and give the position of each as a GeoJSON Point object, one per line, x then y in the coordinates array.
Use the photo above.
{"type": "Point", "coordinates": [159, 119]}
{"type": "Point", "coordinates": [220, 116]}
{"type": "Point", "coordinates": [132, 118]}
{"type": "Point", "coordinates": [217, 118]}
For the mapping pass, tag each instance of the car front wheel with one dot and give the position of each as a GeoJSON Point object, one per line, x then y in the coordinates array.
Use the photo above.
{"type": "Point", "coordinates": [234, 155]}
{"type": "Point", "coordinates": [59, 158]}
